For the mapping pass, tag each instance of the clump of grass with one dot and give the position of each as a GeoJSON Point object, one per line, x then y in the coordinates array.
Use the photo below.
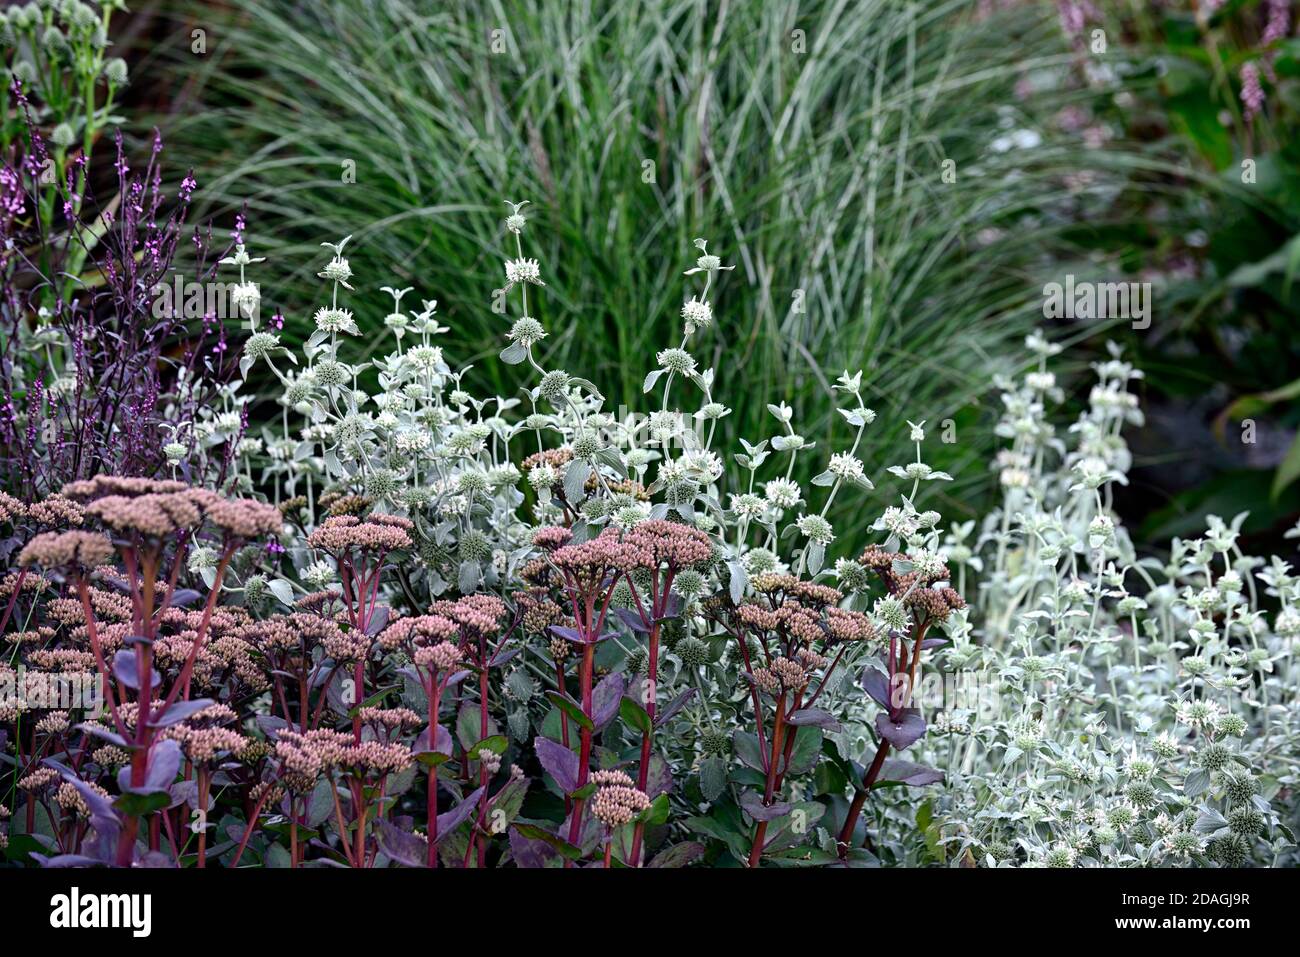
{"type": "Point", "coordinates": [812, 142]}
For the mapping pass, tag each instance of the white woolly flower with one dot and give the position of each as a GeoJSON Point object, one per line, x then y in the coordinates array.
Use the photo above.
{"type": "Point", "coordinates": [425, 358]}
{"type": "Point", "coordinates": [919, 472]}
{"type": "Point", "coordinates": [245, 296]}
{"type": "Point", "coordinates": [318, 574]}
{"type": "Point", "coordinates": [336, 320]}
{"type": "Point", "coordinates": [676, 360]}
{"type": "Point", "coordinates": [337, 270]}
{"type": "Point", "coordinates": [845, 466]}
{"type": "Point", "coordinates": [892, 614]}
{"type": "Point", "coordinates": [201, 557]}
{"type": "Point", "coordinates": [708, 464]}
{"type": "Point", "coordinates": [631, 515]}
{"type": "Point", "coordinates": [783, 493]}
{"type": "Point", "coordinates": [816, 529]}
{"type": "Point", "coordinates": [747, 505]}
{"type": "Point", "coordinates": [543, 476]}
{"type": "Point", "coordinates": [898, 522]}
{"type": "Point", "coordinates": [697, 314]}
{"type": "Point", "coordinates": [412, 440]}
{"type": "Point", "coordinates": [523, 270]}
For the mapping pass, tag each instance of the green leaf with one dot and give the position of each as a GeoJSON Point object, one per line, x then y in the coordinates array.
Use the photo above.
{"type": "Point", "coordinates": [1197, 783]}
{"type": "Point", "coordinates": [468, 723]}
{"type": "Point", "coordinates": [657, 812]}
{"type": "Point", "coordinates": [495, 743]}
{"type": "Point", "coordinates": [570, 708]}
{"type": "Point", "coordinates": [533, 832]}
{"type": "Point", "coordinates": [505, 806]}
{"type": "Point", "coordinates": [635, 716]}
{"type": "Point", "coordinates": [713, 777]}
{"type": "Point", "coordinates": [737, 842]}
{"type": "Point", "coordinates": [747, 749]}
{"type": "Point", "coordinates": [807, 751]}
{"type": "Point", "coordinates": [282, 590]}
{"type": "Point", "coordinates": [679, 855]}
{"type": "Point", "coordinates": [1288, 471]}
{"type": "Point", "coordinates": [137, 805]}
{"type": "Point", "coordinates": [575, 480]}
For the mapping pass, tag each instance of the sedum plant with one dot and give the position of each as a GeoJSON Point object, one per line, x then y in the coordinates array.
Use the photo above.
{"type": "Point", "coordinates": [537, 632]}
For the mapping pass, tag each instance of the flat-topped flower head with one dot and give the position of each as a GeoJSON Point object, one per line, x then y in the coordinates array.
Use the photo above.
{"type": "Point", "coordinates": [617, 800]}
{"type": "Point", "coordinates": [297, 633]}
{"type": "Point", "coordinates": [788, 586]}
{"type": "Point", "coordinates": [376, 757]}
{"type": "Point", "coordinates": [206, 744]}
{"type": "Point", "coordinates": [845, 625]}
{"type": "Point", "coordinates": [66, 549]}
{"type": "Point", "coordinates": [671, 543]}
{"type": "Point", "coordinates": [551, 537]}
{"type": "Point", "coordinates": [784, 674]}
{"type": "Point", "coordinates": [390, 719]}
{"type": "Point", "coordinates": [591, 563]}
{"type": "Point", "coordinates": [11, 510]}
{"type": "Point", "coordinates": [158, 508]}
{"type": "Point", "coordinates": [243, 518]}
{"type": "Point", "coordinates": [477, 615]}
{"type": "Point", "coordinates": [304, 756]}
{"type": "Point", "coordinates": [344, 533]}
{"type": "Point", "coordinates": [87, 490]}
{"type": "Point", "coordinates": [152, 514]}
{"type": "Point", "coordinates": [418, 631]}
{"type": "Point", "coordinates": [442, 657]}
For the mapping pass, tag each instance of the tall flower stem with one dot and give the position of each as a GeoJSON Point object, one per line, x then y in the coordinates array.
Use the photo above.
{"type": "Point", "coordinates": [860, 799]}
{"type": "Point", "coordinates": [882, 750]}
{"type": "Point", "coordinates": [584, 755]}
{"type": "Point", "coordinates": [435, 702]}
{"type": "Point", "coordinates": [769, 790]}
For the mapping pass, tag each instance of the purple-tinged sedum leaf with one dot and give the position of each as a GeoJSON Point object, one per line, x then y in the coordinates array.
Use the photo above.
{"type": "Point", "coordinates": [679, 855]}
{"type": "Point", "coordinates": [605, 698]}
{"type": "Point", "coordinates": [559, 762]}
{"type": "Point", "coordinates": [674, 706]}
{"type": "Point", "coordinates": [402, 846]}
{"type": "Point", "coordinates": [752, 804]}
{"type": "Point", "coordinates": [813, 717]}
{"type": "Point", "coordinates": [448, 821]}
{"type": "Point", "coordinates": [908, 772]}
{"type": "Point", "coordinates": [903, 730]}
{"type": "Point", "coordinates": [125, 668]}
{"type": "Point", "coordinates": [181, 710]}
